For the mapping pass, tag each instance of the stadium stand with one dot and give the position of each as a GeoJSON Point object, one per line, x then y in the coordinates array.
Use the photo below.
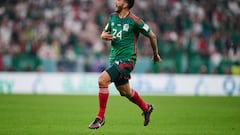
{"type": "Point", "coordinates": [194, 36]}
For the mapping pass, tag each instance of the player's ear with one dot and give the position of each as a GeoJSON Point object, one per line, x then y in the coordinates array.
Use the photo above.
{"type": "Point", "coordinates": [125, 5]}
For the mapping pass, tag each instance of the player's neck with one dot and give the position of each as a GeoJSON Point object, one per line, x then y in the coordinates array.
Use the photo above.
{"type": "Point", "coordinates": [124, 13]}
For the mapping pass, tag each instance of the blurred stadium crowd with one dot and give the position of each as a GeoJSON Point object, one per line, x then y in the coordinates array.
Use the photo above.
{"type": "Point", "coordinates": [194, 36]}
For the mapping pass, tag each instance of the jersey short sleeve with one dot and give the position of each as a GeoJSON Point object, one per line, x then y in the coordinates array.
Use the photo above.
{"type": "Point", "coordinates": [107, 28]}
{"type": "Point", "coordinates": [143, 28]}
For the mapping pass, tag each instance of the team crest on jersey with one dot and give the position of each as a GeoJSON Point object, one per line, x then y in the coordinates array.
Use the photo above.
{"type": "Point", "coordinates": [112, 23]}
{"type": "Point", "coordinates": [125, 27]}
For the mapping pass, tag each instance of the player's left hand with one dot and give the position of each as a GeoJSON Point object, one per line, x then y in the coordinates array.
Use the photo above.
{"type": "Point", "coordinates": [156, 58]}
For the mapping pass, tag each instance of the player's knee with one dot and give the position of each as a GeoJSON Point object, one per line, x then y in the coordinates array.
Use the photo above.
{"type": "Point", "coordinates": [102, 81]}
{"type": "Point", "coordinates": [125, 94]}
{"type": "Point", "coordinates": [122, 94]}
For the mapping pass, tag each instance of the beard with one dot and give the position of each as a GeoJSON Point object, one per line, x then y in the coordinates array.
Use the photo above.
{"type": "Point", "coordinates": [118, 9]}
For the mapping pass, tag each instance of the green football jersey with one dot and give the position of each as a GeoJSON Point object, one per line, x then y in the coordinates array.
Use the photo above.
{"type": "Point", "coordinates": [125, 33]}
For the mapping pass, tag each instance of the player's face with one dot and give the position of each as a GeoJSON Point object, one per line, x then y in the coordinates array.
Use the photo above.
{"type": "Point", "coordinates": [120, 5]}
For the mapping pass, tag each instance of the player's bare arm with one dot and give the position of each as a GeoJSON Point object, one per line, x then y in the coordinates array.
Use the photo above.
{"type": "Point", "coordinates": [153, 41]}
{"type": "Point", "coordinates": [106, 36]}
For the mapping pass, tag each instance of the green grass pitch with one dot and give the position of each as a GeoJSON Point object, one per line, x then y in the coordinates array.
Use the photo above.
{"type": "Point", "coordinates": [71, 115]}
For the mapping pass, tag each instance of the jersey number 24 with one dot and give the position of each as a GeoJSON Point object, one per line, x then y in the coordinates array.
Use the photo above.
{"type": "Point", "coordinates": [117, 34]}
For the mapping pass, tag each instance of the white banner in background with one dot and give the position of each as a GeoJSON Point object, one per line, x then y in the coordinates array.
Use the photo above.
{"type": "Point", "coordinates": [147, 84]}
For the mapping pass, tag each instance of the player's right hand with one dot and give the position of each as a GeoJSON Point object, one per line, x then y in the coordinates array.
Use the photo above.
{"type": "Point", "coordinates": [106, 36]}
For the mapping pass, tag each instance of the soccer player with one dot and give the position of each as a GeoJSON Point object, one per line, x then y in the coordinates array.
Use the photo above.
{"type": "Point", "coordinates": [122, 30]}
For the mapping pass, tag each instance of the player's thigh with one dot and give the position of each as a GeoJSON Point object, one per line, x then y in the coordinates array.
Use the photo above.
{"type": "Point", "coordinates": [113, 72]}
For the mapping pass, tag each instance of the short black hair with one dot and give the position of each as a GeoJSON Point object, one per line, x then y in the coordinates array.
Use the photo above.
{"type": "Point", "coordinates": [130, 3]}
